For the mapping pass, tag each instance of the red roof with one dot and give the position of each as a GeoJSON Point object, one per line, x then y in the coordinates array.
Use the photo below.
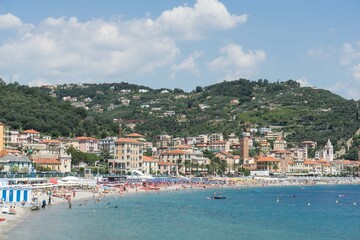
{"type": "Point", "coordinates": [173, 152]}
{"type": "Point", "coordinates": [267, 159]}
{"type": "Point", "coordinates": [50, 141]}
{"type": "Point", "coordinates": [128, 140]}
{"type": "Point", "coordinates": [85, 138]}
{"type": "Point", "coordinates": [50, 161]}
{"type": "Point", "coordinates": [134, 135]}
{"type": "Point", "coordinates": [31, 131]}
{"type": "Point", "coordinates": [148, 159]}
{"type": "Point", "coordinates": [166, 164]}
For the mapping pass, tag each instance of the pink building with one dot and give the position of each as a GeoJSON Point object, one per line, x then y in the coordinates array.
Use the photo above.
{"type": "Point", "coordinates": [88, 144]}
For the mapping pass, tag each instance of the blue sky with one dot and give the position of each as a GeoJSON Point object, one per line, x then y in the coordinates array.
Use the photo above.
{"type": "Point", "coordinates": [182, 44]}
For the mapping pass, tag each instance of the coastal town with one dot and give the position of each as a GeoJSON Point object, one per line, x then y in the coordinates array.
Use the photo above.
{"type": "Point", "coordinates": [259, 151]}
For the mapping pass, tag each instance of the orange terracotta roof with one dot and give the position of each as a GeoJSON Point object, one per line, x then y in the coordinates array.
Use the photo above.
{"type": "Point", "coordinates": [327, 165]}
{"type": "Point", "coordinates": [51, 161]}
{"type": "Point", "coordinates": [86, 138]}
{"type": "Point", "coordinates": [201, 145]}
{"type": "Point", "coordinates": [173, 152]}
{"type": "Point", "coordinates": [148, 159]}
{"type": "Point", "coordinates": [128, 140]}
{"type": "Point", "coordinates": [322, 161]}
{"type": "Point", "coordinates": [166, 164]}
{"type": "Point", "coordinates": [266, 159]}
{"type": "Point", "coordinates": [12, 151]}
{"type": "Point", "coordinates": [31, 131]}
{"type": "Point", "coordinates": [291, 162]}
{"type": "Point", "coordinates": [134, 135]}
{"type": "Point", "coordinates": [311, 162]}
{"type": "Point", "coordinates": [50, 141]}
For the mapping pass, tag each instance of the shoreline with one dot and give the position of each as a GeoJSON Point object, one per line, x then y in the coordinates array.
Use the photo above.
{"type": "Point", "coordinates": [23, 212]}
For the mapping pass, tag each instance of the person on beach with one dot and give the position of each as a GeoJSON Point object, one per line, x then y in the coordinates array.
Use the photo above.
{"type": "Point", "coordinates": [49, 202]}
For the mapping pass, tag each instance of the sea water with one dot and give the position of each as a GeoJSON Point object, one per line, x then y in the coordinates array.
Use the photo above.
{"type": "Point", "coordinates": [311, 212]}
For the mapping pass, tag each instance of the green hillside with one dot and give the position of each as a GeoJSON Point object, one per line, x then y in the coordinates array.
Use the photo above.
{"type": "Point", "coordinates": [304, 113]}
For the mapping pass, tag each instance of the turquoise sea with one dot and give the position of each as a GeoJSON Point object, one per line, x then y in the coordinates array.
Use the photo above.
{"type": "Point", "coordinates": [316, 212]}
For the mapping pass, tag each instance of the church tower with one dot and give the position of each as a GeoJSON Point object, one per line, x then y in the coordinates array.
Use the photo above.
{"type": "Point", "coordinates": [329, 151]}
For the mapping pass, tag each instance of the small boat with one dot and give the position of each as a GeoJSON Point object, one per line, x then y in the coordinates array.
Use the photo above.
{"type": "Point", "coordinates": [217, 197]}
{"type": "Point", "coordinates": [2, 219]}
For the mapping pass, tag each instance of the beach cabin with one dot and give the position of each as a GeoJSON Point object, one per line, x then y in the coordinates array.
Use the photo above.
{"type": "Point", "coordinates": [15, 195]}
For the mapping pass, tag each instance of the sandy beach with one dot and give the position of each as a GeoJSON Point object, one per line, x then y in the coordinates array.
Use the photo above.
{"type": "Point", "coordinates": [76, 194]}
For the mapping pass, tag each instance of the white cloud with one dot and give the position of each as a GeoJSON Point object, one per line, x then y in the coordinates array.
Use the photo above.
{"type": "Point", "coordinates": [9, 21]}
{"type": "Point", "coordinates": [194, 22]}
{"type": "Point", "coordinates": [350, 53]}
{"type": "Point", "coordinates": [189, 64]}
{"type": "Point", "coordinates": [323, 52]}
{"type": "Point", "coordinates": [64, 49]}
{"type": "Point", "coordinates": [235, 62]}
{"type": "Point", "coordinates": [355, 70]}
{"type": "Point", "coordinates": [304, 82]}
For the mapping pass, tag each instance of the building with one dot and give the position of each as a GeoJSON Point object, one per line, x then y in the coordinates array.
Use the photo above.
{"type": "Point", "coordinates": [267, 163]}
{"type": "Point", "coordinates": [308, 144]}
{"type": "Point", "coordinates": [150, 165]}
{"type": "Point", "coordinates": [280, 144]}
{"type": "Point", "coordinates": [215, 137]}
{"type": "Point", "coordinates": [244, 148]}
{"type": "Point", "coordinates": [69, 142]}
{"type": "Point", "coordinates": [107, 145]}
{"type": "Point", "coordinates": [128, 156]}
{"type": "Point", "coordinates": [14, 163]}
{"type": "Point", "coordinates": [166, 168]}
{"type": "Point", "coordinates": [2, 136]}
{"type": "Point", "coordinates": [88, 144]}
{"type": "Point", "coordinates": [231, 160]}
{"type": "Point", "coordinates": [162, 141]}
{"type": "Point", "coordinates": [177, 157]}
{"type": "Point", "coordinates": [329, 151]}
{"type": "Point", "coordinates": [29, 136]}
{"type": "Point", "coordinates": [136, 136]}
{"type": "Point", "coordinates": [47, 164]}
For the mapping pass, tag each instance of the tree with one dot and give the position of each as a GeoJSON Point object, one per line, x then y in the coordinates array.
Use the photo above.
{"type": "Point", "coordinates": [198, 89]}
{"type": "Point", "coordinates": [105, 155]}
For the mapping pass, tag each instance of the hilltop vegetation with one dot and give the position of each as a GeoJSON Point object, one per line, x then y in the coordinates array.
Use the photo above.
{"type": "Point", "coordinates": [304, 113]}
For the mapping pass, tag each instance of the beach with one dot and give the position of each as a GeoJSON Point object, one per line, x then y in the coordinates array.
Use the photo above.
{"type": "Point", "coordinates": [81, 196]}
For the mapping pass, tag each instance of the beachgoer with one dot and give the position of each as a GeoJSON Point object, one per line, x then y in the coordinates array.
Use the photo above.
{"type": "Point", "coordinates": [49, 202]}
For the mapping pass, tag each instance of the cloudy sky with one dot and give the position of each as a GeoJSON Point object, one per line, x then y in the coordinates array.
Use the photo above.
{"type": "Point", "coordinates": [182, 44]}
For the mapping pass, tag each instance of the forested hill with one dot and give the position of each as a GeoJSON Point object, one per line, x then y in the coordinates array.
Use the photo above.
{"type": "Point", "coordinates": [23, 107]}
{"type": "Point", "coordinates": [304, 113]}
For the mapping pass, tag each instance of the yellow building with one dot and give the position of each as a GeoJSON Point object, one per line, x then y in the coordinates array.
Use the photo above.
{"type": "Point", "coordinates": [2, 136]}
{"type": "Point", "coordinates": [128, 156]}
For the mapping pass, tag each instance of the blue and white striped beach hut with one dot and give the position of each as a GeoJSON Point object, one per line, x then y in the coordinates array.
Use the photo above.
{"type": "Point", "coordinates": [13, 195]}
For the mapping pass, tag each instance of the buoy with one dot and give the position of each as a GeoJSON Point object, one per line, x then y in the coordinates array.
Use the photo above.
{"type": "Point", "coordinates": [337, 201]}
{"type": "Point", "coordinates": [355, 203]}
{"type": "Point", "coordinates": [309, 204]}
{"type": "Point", "coordinates": [277, 200]}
